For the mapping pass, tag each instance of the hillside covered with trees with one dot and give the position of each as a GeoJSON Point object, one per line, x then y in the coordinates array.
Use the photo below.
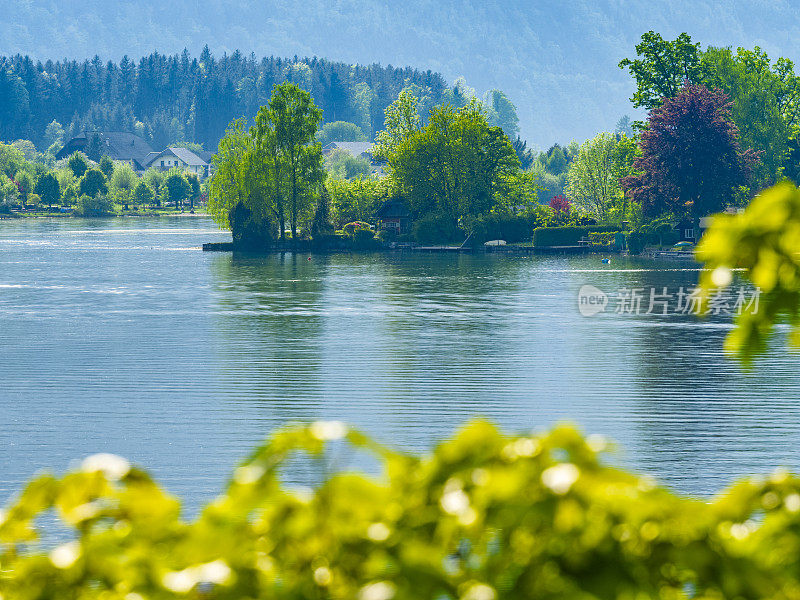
{"type": "Point", "coordinates": [182, 98]}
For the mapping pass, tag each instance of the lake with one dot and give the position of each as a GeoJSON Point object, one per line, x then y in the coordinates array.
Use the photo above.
{"type": "Point", "coordinates": [122, 336]}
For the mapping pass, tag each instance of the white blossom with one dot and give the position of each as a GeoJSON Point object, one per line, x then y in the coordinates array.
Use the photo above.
{"type": "Point", "coordinates": [792, 503]}
{"type": "Point", "coordinates": [322, 576]}
{"type": "Point", "coordinates": [560, 478]}
{"type": "Point", "coordinates": [721, 277]}
{"type": "Point", "coordinates": [378, 532]}
{"type": "Point", "coordinates": [64, 556]}
{"type": "Point", "coordinates": [248, 474]}
{"type": "Point", "coordinates": [381, 590]}
{"type": "Point", "coordinates": [113, 467]}
{"type": "Point", "coordinates": [479, 591]}
{"type": "Point", "coordinates": [455, 502]}
{"type": "Point", "coordinates": [329, 430]}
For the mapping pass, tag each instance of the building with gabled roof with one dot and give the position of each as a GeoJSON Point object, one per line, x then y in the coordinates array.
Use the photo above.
{"type": "Point", "coordinates": [179, 158]}
{"type": "Point", "coordinates": [393, 216]}
{"type": "Point", "coordinates": [117, 145]}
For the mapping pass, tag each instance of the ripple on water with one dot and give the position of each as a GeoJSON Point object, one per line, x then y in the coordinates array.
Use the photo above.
{"type": "Point", "coordinates": [125, 338]}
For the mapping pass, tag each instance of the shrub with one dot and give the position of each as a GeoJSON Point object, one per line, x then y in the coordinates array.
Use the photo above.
{"type": "Point", "coordinates": [636, 242]}
{"type": "Point", "coordinates": [70, 196]}
{"type": "Point", "coordinates": [670, 238]}
{"type": "Point", "coordinates": [566, 236]}
{"type": "Point", "coordinates": [97, 206]}
{"type": "Point", "coordinates": [559, 203]}
{"type": "Point", "coordinates": [93, 183]}
{"type": "Point", "coordinates": [364, 239]}
{"type": "Point", "coordinates": [328, 241]}
{"type": "Point", "coordinates": [435, 229]}
{"type": "Point", "coordinates": [602, 238]}
{"type": "Point", "coordinates": [502, 227]}
{"type": "Point", "coordinates": [351, 228]}
{"type": "Point", "coordinates": [249, 232]}
{"type": "Point", "coordinates": [558, 236]}
{"type": "Point", "coordinates": [485, 516]}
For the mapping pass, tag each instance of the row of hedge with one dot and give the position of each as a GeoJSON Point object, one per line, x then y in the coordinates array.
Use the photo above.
{"type": "Point", "coordinates": [567, 236]}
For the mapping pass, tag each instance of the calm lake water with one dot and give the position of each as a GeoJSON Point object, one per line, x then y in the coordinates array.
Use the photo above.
{"type": "Point", "coordinates": [122, 336]}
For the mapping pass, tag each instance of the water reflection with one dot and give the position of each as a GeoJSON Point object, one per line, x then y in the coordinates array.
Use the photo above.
{"type": "Point", "coordinates": [122, 336]}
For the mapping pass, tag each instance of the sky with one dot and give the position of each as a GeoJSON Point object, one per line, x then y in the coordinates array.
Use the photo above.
{"type": "Point", "coordinates": [557, 61]}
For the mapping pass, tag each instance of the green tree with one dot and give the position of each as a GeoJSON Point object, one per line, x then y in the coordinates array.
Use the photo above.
{"type": "Point", "coordinates": [295, 118]}
{"type": "Point", "coordinates": [265, 167]}
{"type": "Point", "coordinates": [662, 68]}
{"type": "Point", "coordinates": [94, 148]}
{"type": "Point", "coordinates": [344, 165]}
{"type": "Point", "coordinates": [503, 113]}
{"type": "Point", "coordinates": [232, 184]}
{"type": "Point", "coordinates": [27, 148]}
{"type": "Point", "coordinates": [78, 163]}
{"type": "Point", "coordinates": [11, 159]}
{"type": "Point", "coordinates": [460, 95]}
{"type": "Point", "coordinates": [356, 199]}
{"type": "Point", "coordinates": [763, 242]}
{"type": "Point", "coordinates": [53, 136]}
{"type": "Point", "coordinates": [25, 182]}
{"type": "Point", "coordinates": [524, 154]}
{"type": "Point", "coordinates": [483, 516]}
{"type": "Point", "coordinates": [593, 179]}
{"type": "Point", "coordinates": [93, 183]}
{"type": "Point", "coordinates": [70, 195]}
{"type": "Point", "coordinates": [94, 206]}
{"type": "Point", "coordinates": [766, 103]}
{"type": "Point", "coordinates": [246, 191]}
{"type": "Point", "coordinates": [402, 121]}
{"type": "Point", "coordinates": [122, 183]}
{"type": "Point", "coordinates": [155, 180]}
{"type": "Point", "coordinates": [321, 225]}
{"type": "Point", "coordinates": [143, 194]}
{"type": "Point", "coordinates": [340, 131]}
{"type": "Point", "coordinates": [454, 167]}
{"type": "Point", "coordinates": [176, 187]}
{"type": "Point", "coordinates": [48, 189]}
{"type": "Point", "coordinates": [624, 126]}
{"type": "Point", "coordinates": [106, 165]}
{"type": "Point", "coordinates": [194, 183]}
{"type": "Point", "coordinates": [9, 192]}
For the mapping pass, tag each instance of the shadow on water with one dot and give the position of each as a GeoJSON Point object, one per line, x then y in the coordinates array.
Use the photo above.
{"type": "Point", "coordinates": [269, 321]}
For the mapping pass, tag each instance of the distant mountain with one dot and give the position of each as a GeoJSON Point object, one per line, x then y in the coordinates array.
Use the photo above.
{"type": "Point", "coordinates": [557, 61]}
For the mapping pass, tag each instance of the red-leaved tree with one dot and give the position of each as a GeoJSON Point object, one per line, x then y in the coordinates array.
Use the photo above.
{"type": "Point", "coordinates": [559, 204]}
{"type": "Point", "coordinates": [691, 158]}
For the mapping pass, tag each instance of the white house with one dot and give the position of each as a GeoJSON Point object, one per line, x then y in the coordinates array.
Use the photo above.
{"type": "Point", "coordinates": [180, 158]}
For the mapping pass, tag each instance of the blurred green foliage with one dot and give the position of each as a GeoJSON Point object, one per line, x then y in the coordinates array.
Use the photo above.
{"type": "Point", "coordinates": [485, 517]}
{"type": "Point", "coordinates": [763, 241]}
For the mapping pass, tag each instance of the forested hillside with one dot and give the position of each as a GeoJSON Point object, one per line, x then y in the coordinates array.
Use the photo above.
{"type": "Point", "coordinates": [173, 98]}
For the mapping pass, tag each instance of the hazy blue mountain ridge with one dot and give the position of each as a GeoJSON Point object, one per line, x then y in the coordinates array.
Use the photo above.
{"type": "Point", "coordinates": [556, 61]}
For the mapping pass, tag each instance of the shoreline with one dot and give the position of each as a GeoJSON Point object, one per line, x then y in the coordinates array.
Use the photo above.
{"type": "Point", "coordinates": [16, 216]}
